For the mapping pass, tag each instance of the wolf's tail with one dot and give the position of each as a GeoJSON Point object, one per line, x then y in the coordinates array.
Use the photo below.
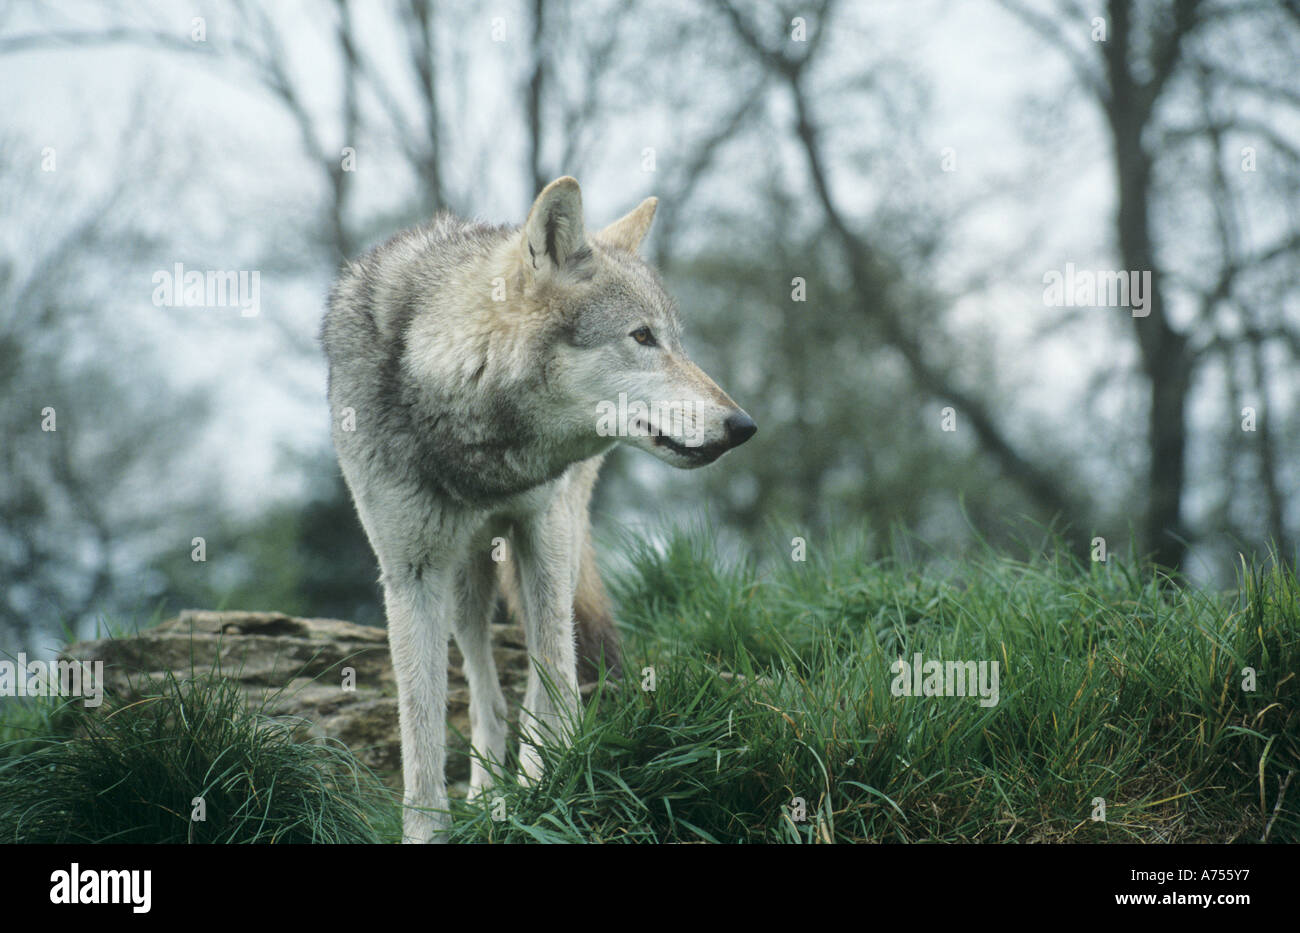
{"type": "Point", "coordinates": [593, 622]}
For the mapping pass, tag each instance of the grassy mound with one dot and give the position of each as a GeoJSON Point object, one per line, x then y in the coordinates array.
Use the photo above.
{"type": "Point", "coordinates": [762, 708]}
{"type": "Point", "coordinates": [1116, 690]}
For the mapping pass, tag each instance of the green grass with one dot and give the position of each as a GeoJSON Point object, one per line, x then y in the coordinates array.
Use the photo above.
{"type": "Point", "coordinates": [135, 774]}
{"type": "Point", "coordinates": [771, 686]}
{"type": "Point", "coordinates": [1114, 684]}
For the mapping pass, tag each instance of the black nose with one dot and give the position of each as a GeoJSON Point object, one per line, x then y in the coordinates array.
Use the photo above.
{"type": "Point", "coordinates": [740, 428]}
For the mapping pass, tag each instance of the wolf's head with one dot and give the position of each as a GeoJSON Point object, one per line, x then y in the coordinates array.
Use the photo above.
{"type": "Point", "coordinates": [618, 364]}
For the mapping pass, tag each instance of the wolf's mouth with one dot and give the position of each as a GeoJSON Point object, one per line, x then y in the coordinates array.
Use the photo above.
{"type": "Point", "coordinates": [700, 454]}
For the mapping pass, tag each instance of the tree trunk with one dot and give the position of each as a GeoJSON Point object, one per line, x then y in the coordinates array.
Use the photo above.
{"type": "Point", "coordinates": [1165, 358]}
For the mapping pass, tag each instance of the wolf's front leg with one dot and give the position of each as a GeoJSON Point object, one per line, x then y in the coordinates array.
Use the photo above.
{"type": "Point", "coordinates": [548, 569]}
{"type": "Point", "coordinates": [476, 597]}
{"type": "Point", "coordinates": [418, 614]}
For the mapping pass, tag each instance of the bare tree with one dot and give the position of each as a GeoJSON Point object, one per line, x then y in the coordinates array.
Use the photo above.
{"type": "Point", "coordinates": [1130, 73]}
{"type": "Point", "coordinates": [870, 271]}
{"type": "Point", "coordinates": [81, 441]}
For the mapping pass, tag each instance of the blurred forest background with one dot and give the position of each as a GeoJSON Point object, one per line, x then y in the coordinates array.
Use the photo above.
{"type": "Point", "coordinates": [911, 170]}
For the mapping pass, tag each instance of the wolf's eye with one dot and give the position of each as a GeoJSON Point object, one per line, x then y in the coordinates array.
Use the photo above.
{"type": "Point", "coordinates": [643, 336]}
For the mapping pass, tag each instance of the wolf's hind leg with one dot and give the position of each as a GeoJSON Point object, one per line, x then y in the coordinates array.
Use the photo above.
{"type": "Point", "coordinates": [476, 598]}
{"type": "Point", "coordinates": [548, 569]}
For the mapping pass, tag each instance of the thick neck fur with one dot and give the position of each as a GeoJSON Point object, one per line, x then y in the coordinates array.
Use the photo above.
{"type": "Point", "coordinates": [474, 366]}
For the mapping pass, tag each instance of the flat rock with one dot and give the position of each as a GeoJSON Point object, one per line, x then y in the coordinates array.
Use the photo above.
{"type": "Point", "coordinates": [296, 666]}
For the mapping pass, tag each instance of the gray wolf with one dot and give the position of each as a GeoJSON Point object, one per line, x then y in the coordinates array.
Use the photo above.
{"type": "Point", "coordinates": [473, 375]}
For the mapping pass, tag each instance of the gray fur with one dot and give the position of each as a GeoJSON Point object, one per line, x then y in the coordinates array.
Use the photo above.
{"type": "Point", "coordinates": [475, 420]}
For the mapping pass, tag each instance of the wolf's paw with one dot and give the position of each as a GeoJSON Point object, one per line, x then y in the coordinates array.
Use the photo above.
{"type": "Point", "coordinates": [422, 827]}
{"type": "Point", "coordinates": [478, 790]}
{"type": "Point", "coordinates": [530, 764]}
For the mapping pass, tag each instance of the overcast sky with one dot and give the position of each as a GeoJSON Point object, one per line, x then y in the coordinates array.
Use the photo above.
{"type": "Point", "coordinates": [231, 174]}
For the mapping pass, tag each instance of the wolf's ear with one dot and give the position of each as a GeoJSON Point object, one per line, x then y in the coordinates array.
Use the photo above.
{"type": "Point", "coordinates": [554, 231]}
{"type": "Point", "coordinates": [628, 231]}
